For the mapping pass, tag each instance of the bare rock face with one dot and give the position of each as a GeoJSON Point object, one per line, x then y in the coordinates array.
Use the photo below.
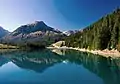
{"type": "Point", "coordinates": [70, 32]}
{"type": "Point", "coordinates": [37, 32]}
{"type": "Point", "coordinates": [3, 32]}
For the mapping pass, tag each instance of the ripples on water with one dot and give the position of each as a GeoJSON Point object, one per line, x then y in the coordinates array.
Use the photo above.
{"type": "Point", "coordinates": [57, 67]}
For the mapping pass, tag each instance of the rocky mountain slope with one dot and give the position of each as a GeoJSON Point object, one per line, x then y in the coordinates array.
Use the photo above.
{"type": "Point", "coordinates": [3, 32]}
{"type": "Point", "coordinates": [35, 33]}
{"type": "Point", "coordinates": [70, 32]}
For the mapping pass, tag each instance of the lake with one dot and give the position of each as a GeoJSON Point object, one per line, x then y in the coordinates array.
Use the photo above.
{"type": "Point", "coordinates": [57, 67]}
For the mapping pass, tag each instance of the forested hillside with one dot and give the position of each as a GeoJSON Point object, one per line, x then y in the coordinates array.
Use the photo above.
{"type": "Point", "coordinates": [105, 33]}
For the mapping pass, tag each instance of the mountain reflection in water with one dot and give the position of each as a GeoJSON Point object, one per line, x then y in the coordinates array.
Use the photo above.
{"type": "Point", "coordinates": [39, 61]}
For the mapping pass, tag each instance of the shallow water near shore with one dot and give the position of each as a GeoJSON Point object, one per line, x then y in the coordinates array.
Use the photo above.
{"type": "Point", "coordinates": [57, 66]}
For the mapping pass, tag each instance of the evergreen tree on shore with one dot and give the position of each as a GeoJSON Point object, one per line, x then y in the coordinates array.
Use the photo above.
{"type": "Point", "coordinates": [103, 34]}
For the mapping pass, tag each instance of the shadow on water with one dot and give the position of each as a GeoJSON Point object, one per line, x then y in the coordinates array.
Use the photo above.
{"type": "Point", "coordinates": [38, 61]}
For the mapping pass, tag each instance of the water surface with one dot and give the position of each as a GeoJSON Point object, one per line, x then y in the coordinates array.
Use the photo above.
{"type": "Point", "coordinates": [57, 67]}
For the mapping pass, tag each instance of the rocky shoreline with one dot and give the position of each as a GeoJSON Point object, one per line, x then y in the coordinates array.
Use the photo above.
{"type": "Point", "coordinates": [105, 53]}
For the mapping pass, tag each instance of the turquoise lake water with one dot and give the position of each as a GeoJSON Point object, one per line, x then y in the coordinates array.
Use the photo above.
{"type": "Point", "coordinates": [57, 67]}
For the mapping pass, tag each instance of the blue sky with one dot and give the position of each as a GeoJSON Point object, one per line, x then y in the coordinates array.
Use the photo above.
{"type": "Point", "coordinates": [60, 14]}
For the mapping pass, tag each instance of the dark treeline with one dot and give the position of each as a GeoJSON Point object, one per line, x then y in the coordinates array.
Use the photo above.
{"type": "Point", "coordinates": [104, 34]}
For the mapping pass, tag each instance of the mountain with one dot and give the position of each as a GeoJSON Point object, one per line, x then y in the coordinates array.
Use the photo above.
{"type": "Point", "coordinates": [103, 34]}
{"type": "Point", "coordinates": [34, 27]}
{"type": "Point", "coordinates": [3, 32]}
{"type": "Point", "coordinates": [35, 33]}
{"type": "Point", "coordinates": [70, 32]}
{"type": "Point", "coordinates": [3, 61]}
{"type": "Point", "coordinates": [38, 61]}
